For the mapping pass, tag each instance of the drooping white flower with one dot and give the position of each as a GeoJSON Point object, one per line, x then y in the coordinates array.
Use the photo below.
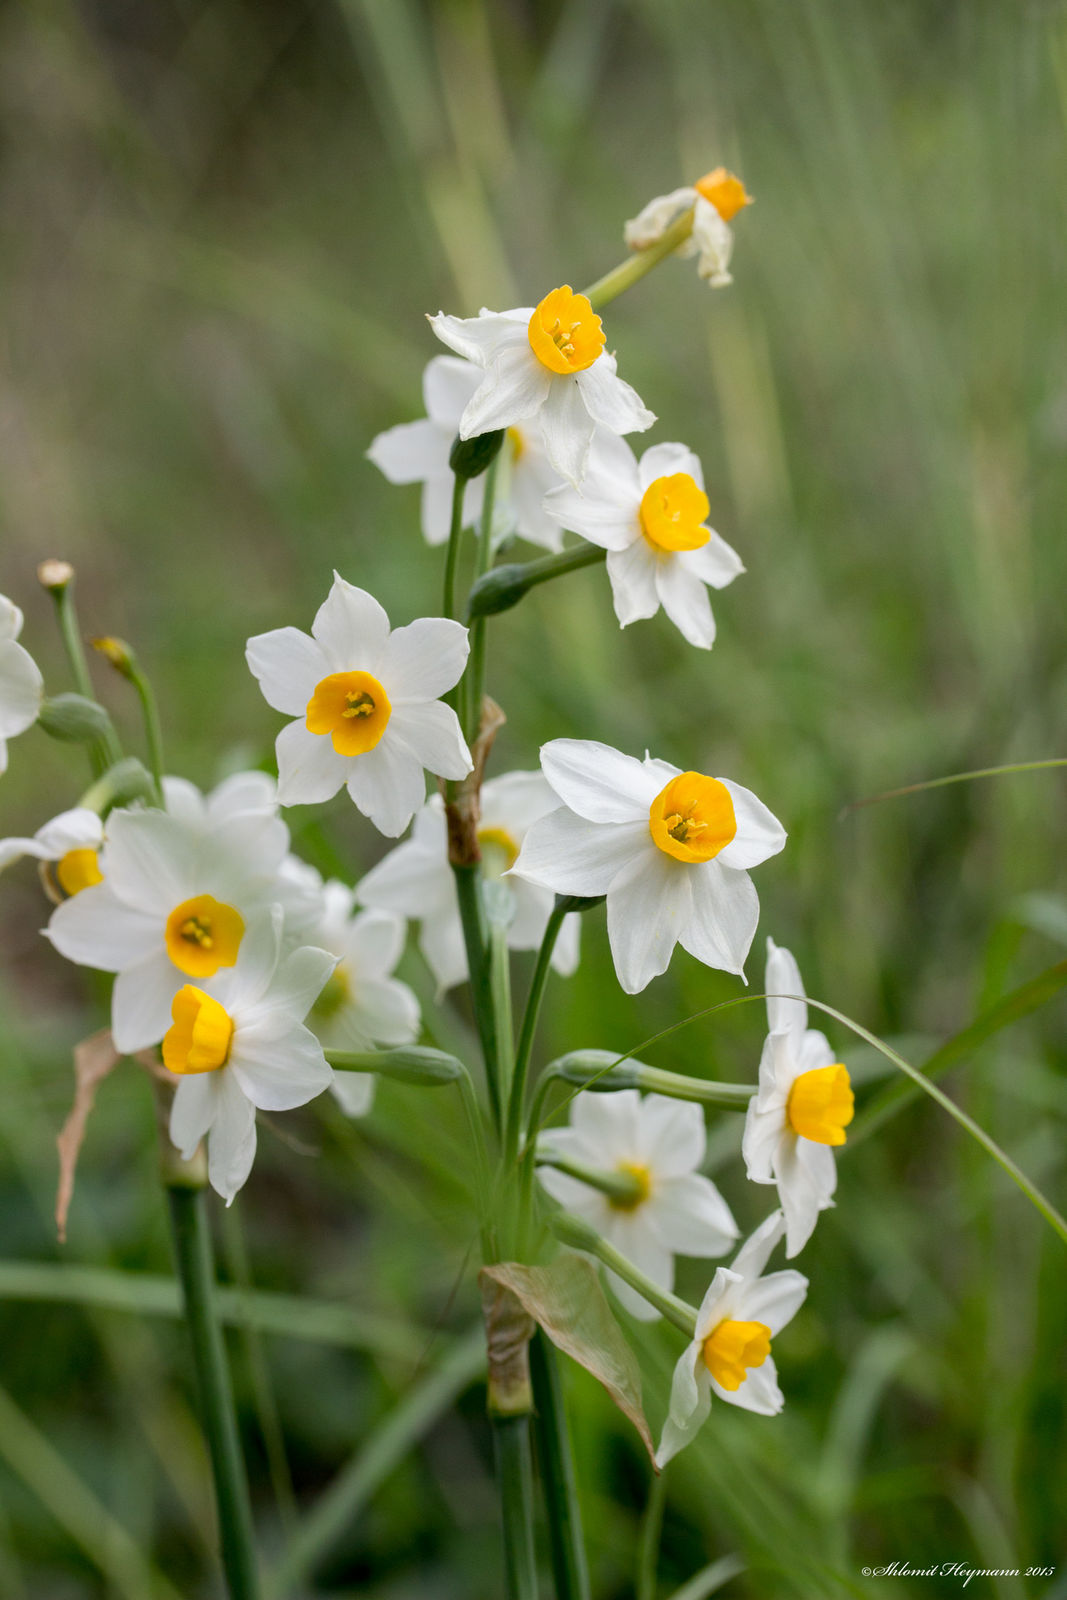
{"type": "Point", "coordinates": [730, 1352]}
{"type": "Point", "coordinates": [802, 1107]}
{"type": "Point", "coordinates": [416, 880]}
{"type": "Point", "coordinates": [669, 849]}
{"type": "Point", "coordinates": [177, 899]}
{"type": "Point", "coordinates": [716, 199]}
{"type": "Point", "coordinates": [362, 1007]}
{"type": "Point", "coordinates": [366, 703]}
{"type": "Point", "coordinates": [651, 517]}
{"type": "Point", "coordinates": [21, 684]}
{"type": "Point", "coordinates": [237, 1043]}
{"type": "Point", "coordinates": [70, 843]}
{"type": "Point", "coordinates": [659, 1143]}
{"type": "Point", "coordinates": [547, 362]}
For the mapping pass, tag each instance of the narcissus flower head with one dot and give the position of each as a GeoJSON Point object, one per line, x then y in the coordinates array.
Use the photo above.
{"type": "Point", "coordinates": [716, 199]}
{"type": "Point", "coordinates": [21, 684]}
{"type": "Point", "coordinates": [669, 850]}
{"type": "Point", "coordinates": [802, 1108]}
{"type": "Point", "coordinates": [367, 707]}
{"type": "Point", "coordinates": [236, 1042]}
{"type": "Point", "coordinates": [674, 1210]}
{"type": "Point", "coordinates": [651, 517]}
{"type": "Point", "coordinates": [416, 881]}
{"type": "Point", "coordinates": [730, 1352]}
{"type": "Point", "coordinates": [546, 362]}
{"type": "Point", "coordinates": [69, 845]}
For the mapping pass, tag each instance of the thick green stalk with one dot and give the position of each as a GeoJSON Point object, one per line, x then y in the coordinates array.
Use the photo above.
{"type": "Point", "coordinates": [448, 603]}
{"type": "Point", "coordinates": [474, 678]}
{"type": "Point", "coordinates": [475, 938]}
{"type": "Point", "coordinates": [106, 752]}
{"type": "Point", "coordinates": [562, 1507]}
{"type": "Point", "coordinates": [514, 1470]}
{"type": "Point", "coordinates": [634, 268]}
{"type": "Point", "coordinates": [648, 1550]}
{"type": "Point", "coordinates": [192, 1248]}
{"type": "Point", "coordinates": [528, 1031]}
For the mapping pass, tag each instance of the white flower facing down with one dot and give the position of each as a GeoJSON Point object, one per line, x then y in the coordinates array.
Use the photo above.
{"type": "Point", "coordinates": [716, 199]}
{"type": "Point", "coordinates": [659, 1143]}
{"type": "Point", "coordinates": [367, 707]}
{"type": "Point", "coordinates": [802, 1107]}
{"type": "Point", "coordinates": [651, 517]}
{"type": "Point", "coordinates": [21, 684]}
{"type": "Point", "coordinates": [546, 362]}
{"type": "Point", "coordinates": [362, 1006]}
{"type": "Point", "coordinates": [669, 849]}
{"type": "Point", "coordinates": [416, 881]}
{"type": "Point", "coordinates": [418, 452]}
{"type": "Point", "coordinates": [70, 843]}
{"type": "Point", "coordinates": [177, 898]}
{"type": "Point", "coordinates": [730, 1352]}
{"type": "Point", "coordinates": [237, 1043]}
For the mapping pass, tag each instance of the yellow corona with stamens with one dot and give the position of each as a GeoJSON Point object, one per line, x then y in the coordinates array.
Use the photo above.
{"type": "Point", "coordinates": [200, 1038]}
{"type": "Point", "coordinates": [353, 708]}
{"type": "Point", "coordinates": [202, 935]}
{"type": "Point", "coordinates": [725, 192]}
{"type": "Point", "coordinates": [732, 1348]}
{"type": "Point", "coordinates": [565, 332]}
{"type": "Point", "coordinates": [821, 1104]}
{"type": "Point", "coordinates": [78, 870]}
{"type": "Point", "coordinates": [693, 818]}
{"type": "Point", "coordinates": [673, 512]}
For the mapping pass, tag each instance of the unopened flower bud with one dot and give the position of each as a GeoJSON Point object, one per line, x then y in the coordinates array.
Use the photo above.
{"type": "Point", "coordinates": [55, 575]}
{"type": "Point", "coordinates": [117, 652]}
{"type": "Point", "coordinates": [74, 718]}
{"type": "Point", "coordinates": [470, 457]}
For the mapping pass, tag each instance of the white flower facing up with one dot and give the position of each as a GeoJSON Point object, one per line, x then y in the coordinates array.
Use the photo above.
{"type": "Point", "coordinates": [362, 1006]}
{"type": "Point", "coordinates": [669, 849]}
{"type": "Point", "coordinates": [21, 684]}
{"type": "Point", "coordinates": [416, 880]}
{"type": "Point", "coordinates": [657, 1143]}
{"type": "Point", "coordinates": [237, 1043]}
{"type": "Point", "coordinates": [70, 844]}
{"type": "Point", "coordinates": [418, 452]}
{"type": "Point", "coordinates": [651, 517]}
{"type": "Point", "coordinates": [716, 199]}
{"type": "Point", "coordinates": [367, 707]}
{"type": "Point", "coordinates": [730, 1352]}
{"type": "Point", "coordinates": [546, 362]}
{"type": "Point", "coordinates": [802, 1107]}
{"type": "Point", "coordinates": [177, 898]}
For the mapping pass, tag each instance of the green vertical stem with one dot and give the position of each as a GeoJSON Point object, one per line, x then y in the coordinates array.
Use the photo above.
{"type": "Point", "coordinates": [500, 981]}
{"type": "Point", "coordinates": [448, 604]}
{"type": "Point", "coordinates": [651, 1530]}
{"type": "Point", "coordinates": [474, 678]}
{"type": "Point", "coordinates": [529, 1029]}
{"type": "Point", "coordinates": [106, 751]}
{"type": "Point", "coordinates": [476, 939]}
{"type": "Point", "coordinates": [556, 1461]}
{"type": "Point", "coordinates": [192, 1248]}
{"type": "Point", "coordinates": [514, 1470]}
{"type": "Point", "coordinates": [152, 727]}
{"type": "Point", "coordinates": [634, 268]}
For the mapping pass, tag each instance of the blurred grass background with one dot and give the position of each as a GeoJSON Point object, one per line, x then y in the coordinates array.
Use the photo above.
{"type": "Point", "coordinates": [221, 225]}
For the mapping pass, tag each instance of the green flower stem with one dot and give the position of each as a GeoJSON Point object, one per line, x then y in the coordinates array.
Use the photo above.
{"type": "Point", "coordinates": [651, 1529]}
{"type": "Point", "coordinates": [634, 268]}
{"type": "Point", "coordinates": [152, 727]}
{"type": "Point", "coordinates": [529, 1029]}
{"type": "Point", "coordinates": [192, 1247]}
{"type": "Point", "coordinates": [620, 1187]}
{"type": "Point", "coordinates": [500, 983]}
{"type": "Point", "coordinates": [555, 1458]}
{"type": "Point", "coordinates": [580, 1236]}
{"type": "Point", "coordinates": [475, 938]}
{"type": "Point", "coordinates": [107, 751]}
{"type": "Point", "coordinates": [505, 586]}
{"type": "Point", "coordinates": [473, 680]}
{"type": "Point", "coordinates": [514, 1470]}
{"type": "Point", "coordinates": [448, 603]}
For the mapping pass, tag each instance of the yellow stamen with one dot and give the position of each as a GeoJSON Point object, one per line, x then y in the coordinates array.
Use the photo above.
{"type": "Point", "coordinates": [353, 708]}
{"type": "Point", "coordinates": [565, 333]}
{"type": "Point", "coordinates": [692, 819]}
{"type": "Point", "coordinates": [499, 851]}
{"type": "Point", "coordinates": [821, 1104]}
{"type": "Point", "coordinates": [727, 194]}
{"type": "Point", "coordinates": [642, 1179]}
{"type": "Point", "coordinates": [204, 934]}
{"type": "Point", "coordinates": [732, 1348]}
{"type": "Point", "coordinates": [200, 1038]}
{"type": "Point", "coordinates": [672, 513]}
{"type": "Point", "coordinates": [78, 870]}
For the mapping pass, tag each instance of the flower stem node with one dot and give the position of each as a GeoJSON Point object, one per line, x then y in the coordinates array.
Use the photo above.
{"type": "Point", "coordinates": [469, 458]}
{"type": "Point", "coordinates": [74, 719]}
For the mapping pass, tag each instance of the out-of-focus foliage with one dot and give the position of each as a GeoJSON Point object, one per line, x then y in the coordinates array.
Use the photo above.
{"type": "Point", "coordinates": [222, 224]}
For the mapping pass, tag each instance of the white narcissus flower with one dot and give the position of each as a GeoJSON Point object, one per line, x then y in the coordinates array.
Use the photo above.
{"type": "Point", "coordinates": [669, 849]}
{"type": "Point", "coordinates": [716, 199]}
{"type": "Point", "coordinates": [237, 1043]}
{"type": "Point", "coordinates": [730, 1351]}
{"type": "Point", "coordinates": [802, 1107]}
{"type": "Point", "coordinates": [367, 707]}
{"type": "Point", "coordinates": [659, 1143]}
{"type": "Point", "coordinates": [416, 880]}
{"type": "Point", "coordinates": [21, 684]}
{"type": "Point", "coordinates": [362, 1007]}
{"type": "Point", "coordinates": [651, 518]}
{"type": "Point", "coordinates": [546, 362]}
{"type": "Point", "coordinates": [177, 898]}
{"type": "Point", "coordinates": [70, 843]}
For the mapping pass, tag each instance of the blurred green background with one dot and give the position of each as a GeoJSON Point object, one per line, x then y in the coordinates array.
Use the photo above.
{"type": "Point", "coordinates": [221, 226]}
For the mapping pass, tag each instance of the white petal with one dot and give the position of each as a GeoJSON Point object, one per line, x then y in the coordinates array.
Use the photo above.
{"type": "Point", "coordinates": [151, 859]}
{"type": "Point", "coordinates": [241, 988]}
{"type": "Point", "coordinates": [692, 1216]}
{"type": "Point", "coordinates": [279, 1070]}
{"type": "Point", "coordinates": [567, 427]}
{"type": "Point", "coordinates": [410, 880]}
{"type": "Point", "coordinates": [141, 1001]}
{"type": "Point", "coordinates": [783, 978]}
{"type": "Point", "coordinates": [607, 1126]}
{"type": "Point", "coordinates": [690, 1404]}
{"type": "Point", "coordinates": [309, 768]}
{"type": "Point", "coordinates": [773, 1300]}
{"type": "Point", "coordinates": [714, 1306]}
{"type": "Point", "coordinates": [759, 1392]}
{"type": "Point", "coordinates": [672, 1138]}
{"type": "Point", "coordinates": [299, 981]}
{"type": "Point", "coordinates": [515, 387]}
{"type": "Point", "coordinates": [597, 782]}
{"type": "Point", "coordinates": [21, 689]}
{"type": "Point", "coordinates": [244, 849]}
{"type": "Point", "coordinates": [412, 452]}
{"type": "Point", "coordinates": [516, 800]}
{"type": "Point", "coordinates": [192, 1111]}
{"type": "Point", "coordinates": [354, 1092]}
{"type": "Point", "coordinates": [806, 1175]}
{"type": "Point", "coordinates": [754, 1254]}
{"type": "Point", "coordinates": [11, 619]}
{"type": "Point", "coordinates": [231, 1144]}
{"type": "Point", "coordinates": [814, 1051]}
{"type": "Point", "coordinates": [632, 574]}
{"type": "Point", "coordinates": [725, 911]}
{"type": "Point", "coordinates": [635, 1235]}
{"type": "Point", "coordinates": [424, 659]}
{"type": "Point", "coordinates": [386, 1010]}
{"type": "Point", "coordinates": [435, 509]}
{"type": "Point", "coordinates": [759, 1142]}
{"type": "Point", "coordinates": [566, 955]}
{"type": "Point", "coordinates": [665, 461]}
{"type": "Point", "coordinates": [610, 401]}
{"type": "Point", "coordinates": [650, 904]}
{"type": "Point", "coordinates": [685, 600]}
{"type": "Point", "coordinates": [714, 241]}
{"type": "Point", "coordinates": [183, 800]}
{"type": "Point", "coordinates": [570, 855]}
{"type": "Point", "coordinates": [373, 942]}
{"type": "Point", "coordinates": [95, 929]}
{"type": "Point", "coordinates": [287, 665]}
{"type": "Point", "coordinates": [447, 384]}
{"type": "Point", "coordinates": [78, 829]}
{"type": "Point", "coordinates": [351, 627]}
{"type": "Point", "coordinates": [480, 338]}
{"type": "Point", "coordinates": [603, 525]}
{"type": "Point", "coordinates": [759, 833]}
{"type": "Point", "coordinates": [653, 220]}
{"type": "Point", "coordinates": [388, 785]}
{"type": "Point", "coordinates": [716, 562]}
{"type": "Point", "coordinates": [242, 792]}
{"type": "Point", "coordinates": [430, 730]}
{"type": "Point", "coordinates": [442, 945]}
